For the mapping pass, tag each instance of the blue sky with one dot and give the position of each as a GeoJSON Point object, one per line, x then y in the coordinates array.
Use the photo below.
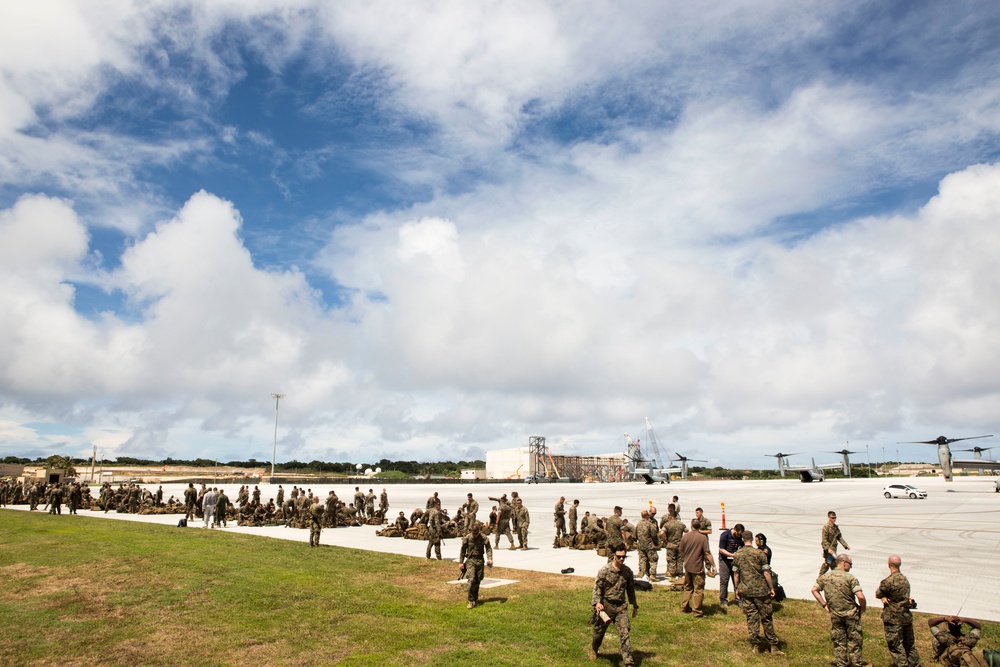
{"type": "Point", "coordinates": [442, 228]}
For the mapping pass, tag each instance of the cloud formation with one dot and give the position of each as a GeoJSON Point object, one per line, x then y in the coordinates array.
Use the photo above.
{"type": "Point", "coordinates": [447, 228]}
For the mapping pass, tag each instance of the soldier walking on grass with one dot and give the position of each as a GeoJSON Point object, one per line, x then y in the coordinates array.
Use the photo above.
{"type": "Point", "coordinates": [614, 590]}
{"type": "Point", "coordinates": [471, 557]}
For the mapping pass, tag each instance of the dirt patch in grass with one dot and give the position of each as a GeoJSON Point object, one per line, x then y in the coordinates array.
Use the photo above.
{"type": "Point", "coordinates": [23, 571]}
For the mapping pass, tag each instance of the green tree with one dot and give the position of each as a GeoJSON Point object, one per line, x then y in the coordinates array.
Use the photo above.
{"type": "Point", "coordinates": [64, 462]}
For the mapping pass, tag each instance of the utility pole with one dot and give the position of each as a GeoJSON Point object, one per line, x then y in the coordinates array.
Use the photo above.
{"type": "Point", "coordinates": [274, 452]}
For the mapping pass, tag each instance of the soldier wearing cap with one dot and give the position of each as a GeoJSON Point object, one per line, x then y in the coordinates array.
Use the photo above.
{"type": "Point", "coordinates": [845, 602]}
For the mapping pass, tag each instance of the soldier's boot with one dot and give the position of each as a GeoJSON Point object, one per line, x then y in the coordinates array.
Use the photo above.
{"type": "Point", "coordinates": [592, 653]}
{"type": "Point", "coordinates": [471, 605]}
{"type": "Point", "coordinates": [776, 651]}
{"type": "Point", "coordinates": [511, 547]}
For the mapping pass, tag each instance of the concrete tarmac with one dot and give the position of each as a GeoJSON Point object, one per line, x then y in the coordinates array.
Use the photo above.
{"type": "Point", "coordinates": [948, 542]}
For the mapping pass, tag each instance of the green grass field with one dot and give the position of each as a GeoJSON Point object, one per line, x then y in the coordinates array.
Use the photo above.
{"type": "Point", "coordinates": [77, 591]}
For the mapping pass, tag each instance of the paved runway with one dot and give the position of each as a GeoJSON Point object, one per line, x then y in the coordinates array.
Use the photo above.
{"type": "Point", "coordinates": [948, 542]}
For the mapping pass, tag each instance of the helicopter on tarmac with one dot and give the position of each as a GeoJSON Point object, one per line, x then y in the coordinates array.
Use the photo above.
{"type": "Point", "coordinates": [948, 463]}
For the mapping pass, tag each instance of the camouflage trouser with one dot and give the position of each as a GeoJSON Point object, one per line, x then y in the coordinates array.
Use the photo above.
{"type": "Point", "coordinates": [899, 639]}
{"type": "Point", "coordinates": [503, 528]}
{"type": "Point", "coordinates": [648, 558]}
{"type": "Point", "coordinates": [758, 611]}
{"type": "Point", "coordinates": [188, 509]}
{"type": "Point", "coordinates": [674, 566]}
{"type": "Point", "coordinates": [314, 531]}
{"type": "Point", "coordinates": [560, 525]}
{"type": "Point", "coordinates": [522, 536]}
{"type": "Point", "coordinates": [435, 543]}
{"type": "Point", "coordinates": [619, 617]}
{"type": "Point", "coordinates": [474, 571]}
{"type": "Point", "coordinates": [845, 632]}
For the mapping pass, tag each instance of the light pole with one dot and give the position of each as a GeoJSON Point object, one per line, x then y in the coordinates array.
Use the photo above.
{"type": "Point", "coordinates": [869, 454]}
{"type": "Point", "coordinates": [274, 452]}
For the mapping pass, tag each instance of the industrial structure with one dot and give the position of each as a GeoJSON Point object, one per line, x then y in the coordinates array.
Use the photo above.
{"type": "Point", "coordinates": [537, 463]}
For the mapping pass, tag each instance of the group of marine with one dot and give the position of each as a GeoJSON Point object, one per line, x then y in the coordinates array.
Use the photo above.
{"type": "Point", "coordinates": [688, 556]}
{"type": "Point", "coordinates": [755, 586]}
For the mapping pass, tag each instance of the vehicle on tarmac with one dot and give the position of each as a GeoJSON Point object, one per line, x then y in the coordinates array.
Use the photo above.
{"type": "Point", "coordinates": [903, 491]}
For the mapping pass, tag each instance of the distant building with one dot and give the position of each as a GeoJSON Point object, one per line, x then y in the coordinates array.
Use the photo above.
{"type": "Point", "coordinates": [474, 473]}
{"type": "Point", "coordinates": [11, 469]}
{"type": "Point", "coordinates": [514, 463]}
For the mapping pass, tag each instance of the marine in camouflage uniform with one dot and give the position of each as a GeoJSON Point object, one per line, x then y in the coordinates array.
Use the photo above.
{"type": "Point", "coordinates": [831, 536]}
{"type": "Point", "coordinates": [559, 520]}
{"type": "Point", "coordinates": [754, 589]}
{"type": "Point", "coordinates": [504, 511]}
{"type": "Point", "coordinates": [841, 588]}
{"type": "Point", "coordinates": [647, 545]}
{"type": "Point", "coordinates": [222, 505]}
{"type": "Point", "coordinates": [523, 519]}
{"type": "Point", "coordinates": [572, 518]}
{"type": "Point", "coordinates": [471, 557]}
{"type": "Point", "coordinates": [359, 500]}
{"type": "Point", "coordinates": [471, 508]}
{"type": "Point", "coordinates": [894, 591]}
{"type": "Point", "coordinates": [435, 522]}
{"type": "Point", "coordinates": [315, 522]}
{"type": "Point", "coordinates": [383, 503]}
{"type": "Point", "coordinates": [706, 523]}
{"type": "Point", "coordinates": [614, 590]}
{"type": "Point", "coordinates": [673, 530]}
{"type": "Point", "coordinates": [75, 498]}
{"type": "Point", "coordinates": [330, 515]}
{"type": "Point", "coordinates": [55, 499]}
{"type": "Point", "coordinates": [613, 531]}
{"type": "Point", "coordinates": [951, 647]}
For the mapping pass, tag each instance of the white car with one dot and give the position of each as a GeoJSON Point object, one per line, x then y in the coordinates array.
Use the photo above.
{"type": "Point", "coordinates": [903, 491]}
